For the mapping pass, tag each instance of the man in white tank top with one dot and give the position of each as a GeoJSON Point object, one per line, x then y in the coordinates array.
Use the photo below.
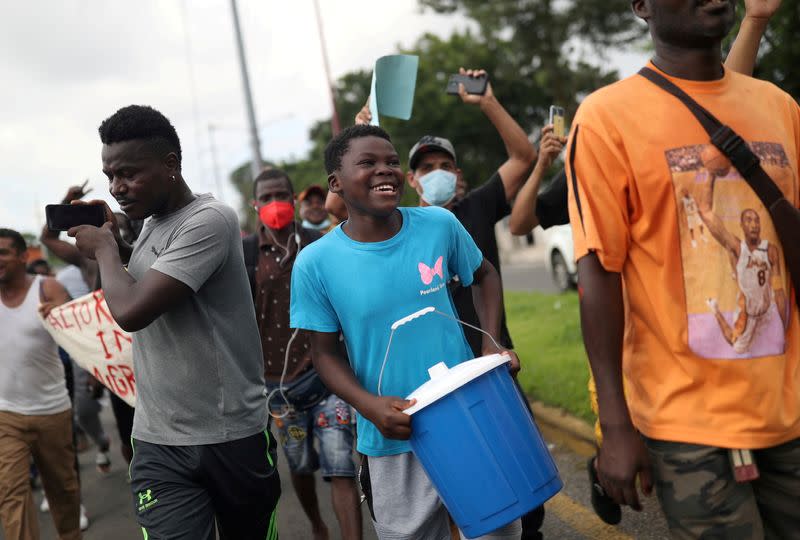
{"type": "Point", "coordinates": [757, 273]}
{"type": "Point", "coordinates": [35, 411]}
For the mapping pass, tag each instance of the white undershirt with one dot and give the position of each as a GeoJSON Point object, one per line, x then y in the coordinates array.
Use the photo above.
{"type": "Point", "coordinates": [31, 373]}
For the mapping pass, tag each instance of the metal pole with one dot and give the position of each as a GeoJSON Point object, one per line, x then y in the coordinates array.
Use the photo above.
{"type": "Point", "coordinates": [256, 164]}
{"type": "Point", "coordinates": [335, 126]}
{"type": "Point", "coordinates": [187, 41]}
{"type": "Point", "coordinates": [217, 178]}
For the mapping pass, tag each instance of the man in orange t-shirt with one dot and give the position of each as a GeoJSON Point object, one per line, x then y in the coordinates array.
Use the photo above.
{"type": "Point", "coordinates": [697, 403]}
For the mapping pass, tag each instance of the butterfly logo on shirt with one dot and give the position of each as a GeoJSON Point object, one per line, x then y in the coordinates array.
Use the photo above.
{"type": "Point", "coordinates": [426, 273]}
{"type": "Point", "coordinates": [155, 251]}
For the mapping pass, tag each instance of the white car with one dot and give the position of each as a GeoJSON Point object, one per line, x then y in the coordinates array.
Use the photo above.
{"type": "Point", "coordinates": [560, 257]}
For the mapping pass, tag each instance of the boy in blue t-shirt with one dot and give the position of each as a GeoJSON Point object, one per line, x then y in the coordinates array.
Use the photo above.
{"type": "Point", "coordinates": [382, 264]}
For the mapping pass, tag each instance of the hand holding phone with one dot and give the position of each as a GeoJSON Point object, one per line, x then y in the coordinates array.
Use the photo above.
{"type": "Point", "coordinates": [472, 85]}
{"type": "Point", "coordinates": [475, 84]}
{"type": "Point", "coordinates": [550, 147]}
{"type": "Point", "coordinates": [63, 217]}
{"type": "Point", "coordinates": [557, 121]}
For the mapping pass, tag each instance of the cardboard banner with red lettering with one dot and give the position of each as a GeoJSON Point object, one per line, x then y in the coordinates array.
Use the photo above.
{"type": "Point", "coordinates": [85, 329]}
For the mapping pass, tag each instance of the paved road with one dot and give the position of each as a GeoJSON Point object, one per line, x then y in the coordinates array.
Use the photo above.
{"type": "Point", "coordinates": [569, 516]}
{"type": "Point", "coordinates": [533, 276]}
{"type": "Point", "coordinates": [110, 510]}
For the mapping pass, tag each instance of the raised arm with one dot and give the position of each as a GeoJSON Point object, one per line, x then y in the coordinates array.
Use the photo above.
{"type": "Point", "coordinates": [705, 207]}
{"type": "Point", "coordinates": [521, 153]}
{"type": "Point", "coordinates": [523, 215]}
{"type": "Point", "coordinates": [744, 52]}
{"type": "Point", "coordinates": [335, 371]}
{"type": "Point", "coordinates": [63, 250]}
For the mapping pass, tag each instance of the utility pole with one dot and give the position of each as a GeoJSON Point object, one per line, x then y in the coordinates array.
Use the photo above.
{"type": "Point", "coordinates": [214, 162]}
{"type": "Point", "coordinates": [335, 125]}
{"type": "Point", "coordinates": [256, 163]}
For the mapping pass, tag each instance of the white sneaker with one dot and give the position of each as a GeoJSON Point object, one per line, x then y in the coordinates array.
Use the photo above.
{"type": "Point", "coordinates": [694, 243]}
{"type": "Point", "coordinates": [712, 304]}
{"type": "Point", "coordinates": [84, 519]}
{"type": "Point", "coordinates": [45, 506]}
{"type": "Point", "coordinates": [103, 462]}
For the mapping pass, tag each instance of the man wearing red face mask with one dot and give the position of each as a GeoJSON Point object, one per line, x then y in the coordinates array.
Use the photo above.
{"type": "Point", "coordinates": [303, 409]}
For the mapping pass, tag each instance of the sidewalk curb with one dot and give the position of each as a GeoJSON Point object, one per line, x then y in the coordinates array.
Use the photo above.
{"type": "Point", "coordinates": [560, 419]}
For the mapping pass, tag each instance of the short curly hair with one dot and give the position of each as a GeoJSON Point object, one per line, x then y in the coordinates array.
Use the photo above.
{"type": "Point", "coordinates": [141, 122]}
{"type": "Point", "coordinates": [340, 143]}
{"type": "Point", "coordinates": [273, 174]}
{"type": "Point", "coordinates": [17, 240]}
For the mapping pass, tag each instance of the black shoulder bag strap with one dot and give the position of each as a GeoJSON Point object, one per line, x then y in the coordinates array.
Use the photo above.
{"type": "Point", "coordinates": [785, 216]}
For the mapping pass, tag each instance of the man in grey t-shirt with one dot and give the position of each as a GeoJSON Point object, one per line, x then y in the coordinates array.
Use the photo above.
{"type": "Point", "coordinates": [202, 450]}
{"type": "Point", "coordinates": [207, 342]}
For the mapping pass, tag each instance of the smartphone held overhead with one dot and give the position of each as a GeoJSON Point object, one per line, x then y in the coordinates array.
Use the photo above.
{"type": "Point", "coordinates": [472, 85]}
{"type": "Point", "coordinates": [557, 121]}
{"type": "Point", "coordinates": [62, 217]}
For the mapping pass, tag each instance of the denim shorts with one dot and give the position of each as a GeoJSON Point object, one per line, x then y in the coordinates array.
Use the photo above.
{"type": "Point", "coordinates": [330, 423]}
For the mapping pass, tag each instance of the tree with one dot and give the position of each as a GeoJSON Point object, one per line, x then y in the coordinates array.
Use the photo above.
{"type": "Point", "coordinates": [521, 44]}
{"type": "Point", "coordinates": [549, 39]}
{"type": "Point", "coordinates": [352, 91]}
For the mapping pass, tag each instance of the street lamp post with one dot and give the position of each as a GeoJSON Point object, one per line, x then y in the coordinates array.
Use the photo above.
{"type": "Point", "coordinates": [335, 126]}
{"type": "Point", "coordinates": [214, 162]}
{"type": "Point", "coordinates": [256, 163]}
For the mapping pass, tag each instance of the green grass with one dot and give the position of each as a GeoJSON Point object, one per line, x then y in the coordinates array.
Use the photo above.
{"type": "Point", "coordinates": [547, 336]}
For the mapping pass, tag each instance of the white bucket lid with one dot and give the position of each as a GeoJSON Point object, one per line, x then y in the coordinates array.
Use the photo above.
{"type": "Point", "coordinates": [444, 380]}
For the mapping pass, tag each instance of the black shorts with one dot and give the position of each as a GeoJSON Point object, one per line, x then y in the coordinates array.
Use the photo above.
{"type": "Point", "coordinates": [178, 491]}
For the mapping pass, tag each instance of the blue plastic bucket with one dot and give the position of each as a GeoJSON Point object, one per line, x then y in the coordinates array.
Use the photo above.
{"type": "Point", "coordinates": [479, 445]}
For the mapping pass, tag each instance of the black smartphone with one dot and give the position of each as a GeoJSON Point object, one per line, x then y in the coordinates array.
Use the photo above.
{"type": "Point", "coordinates": [473, 85]}
{"type": "Point", "coordinates": [62, 217]}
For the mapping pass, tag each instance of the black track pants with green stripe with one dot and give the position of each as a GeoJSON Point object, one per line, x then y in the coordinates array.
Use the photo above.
{"type": "Point", "coordinates": [179, 491]}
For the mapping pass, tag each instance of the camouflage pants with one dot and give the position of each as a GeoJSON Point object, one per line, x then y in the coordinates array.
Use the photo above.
{"type": "Point", "coordinates": [701, 499]}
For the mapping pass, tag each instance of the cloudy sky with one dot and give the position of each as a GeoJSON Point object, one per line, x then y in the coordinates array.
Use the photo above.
{"type": "Point", "coordinates": [68, 66]}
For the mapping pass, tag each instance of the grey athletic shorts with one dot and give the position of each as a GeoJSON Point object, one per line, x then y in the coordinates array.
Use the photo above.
{"type": "Point", "coordinates": [404, 504]}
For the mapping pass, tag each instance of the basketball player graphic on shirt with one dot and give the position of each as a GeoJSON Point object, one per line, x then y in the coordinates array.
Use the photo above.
{"type": "Point", "coordinates": [756, 267]}
{"type": "Point", "coordinates": [693, 221]}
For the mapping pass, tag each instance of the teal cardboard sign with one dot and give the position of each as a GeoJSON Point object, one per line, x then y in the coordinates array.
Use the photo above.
{"type": "Point", "coordinates": [394, 80]}
{"type": "Point", "coordinates": [373, 101]}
